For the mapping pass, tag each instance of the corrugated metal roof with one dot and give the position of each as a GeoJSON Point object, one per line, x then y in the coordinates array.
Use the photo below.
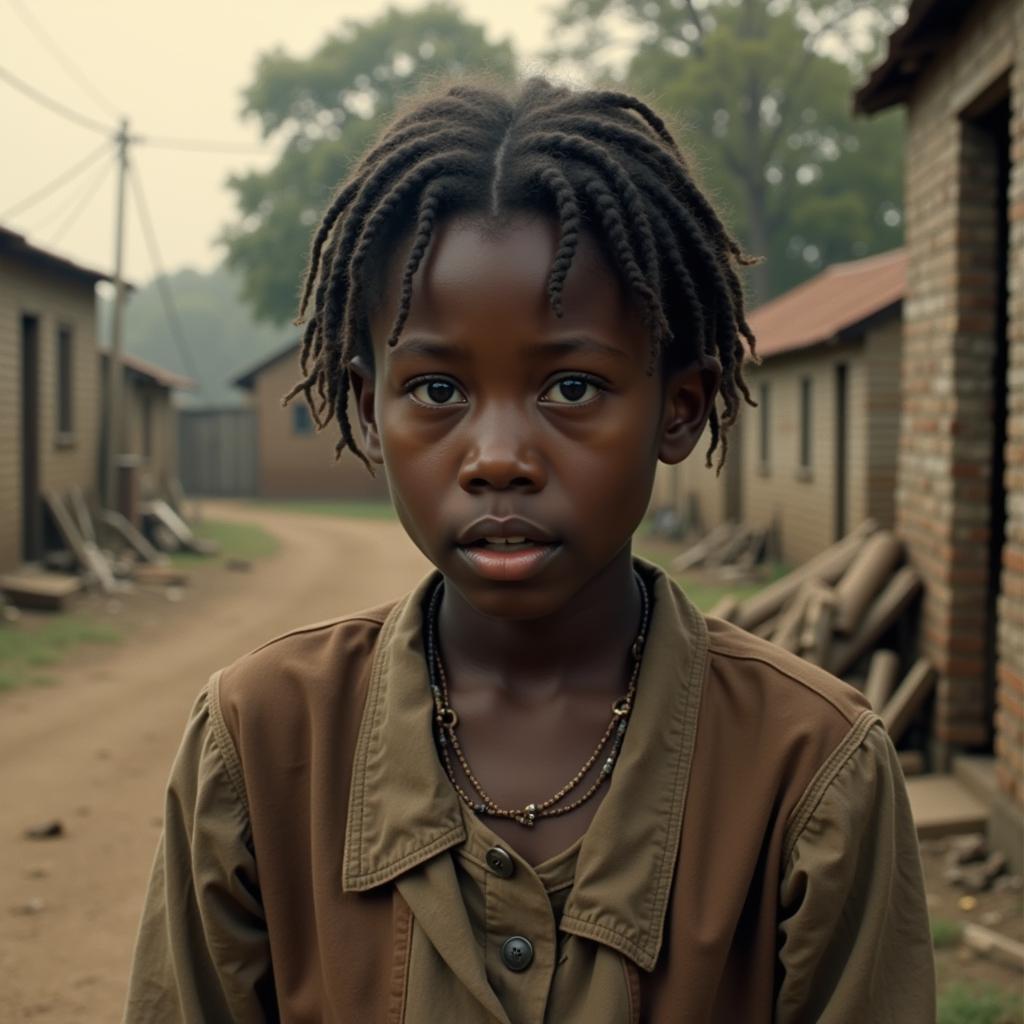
{"type": "Point", "coordinates": [839, 298]}
{"type": "Point", "coordinates": [19, 247]}
{"type": "Point", "coordinates": [157, 374]}
{"type": "Point", "coordinates": [247, 379]}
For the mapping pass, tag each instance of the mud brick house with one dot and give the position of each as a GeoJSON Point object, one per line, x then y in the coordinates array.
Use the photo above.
{"type": "Point", "coordinates": [818, 454]}
{"type": "Point", "coordinates": [295, 460]}
{"type": "Point", "coordinates": [958, 68]}
{"type": "Point", "coordinates": [50, 416]}
{"type": "Point", "coordinates": [149, 419]}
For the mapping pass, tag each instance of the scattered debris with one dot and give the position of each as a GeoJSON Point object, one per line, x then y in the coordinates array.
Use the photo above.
{"type": "Point", "coordinates": [35, 905]}
{"type": "Point", "coordinates": [991, 944]}
{"type": "Point", "coordinates": [171, 523]}
{"type": "Point", "coordinates": [48, 830]}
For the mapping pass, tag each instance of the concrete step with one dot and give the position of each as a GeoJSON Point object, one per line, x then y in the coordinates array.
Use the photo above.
{"type": "Point", "coordinates": [944, 806]}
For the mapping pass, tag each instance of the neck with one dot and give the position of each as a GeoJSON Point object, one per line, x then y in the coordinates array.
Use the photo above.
{"type": "Point", "coordinates": [585, 645]}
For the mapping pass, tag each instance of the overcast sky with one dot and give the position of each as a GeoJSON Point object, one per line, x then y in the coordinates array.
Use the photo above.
{"type": "Point", "coordinates": [174, 69]}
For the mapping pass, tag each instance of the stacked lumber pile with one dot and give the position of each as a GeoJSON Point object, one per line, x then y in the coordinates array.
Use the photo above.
{"type": "Point", "coordinates": [103, 551]}
{"type": "Point", "coordinates": [837, 609]}
{"type": "Point", "coordinates": [730, 551]}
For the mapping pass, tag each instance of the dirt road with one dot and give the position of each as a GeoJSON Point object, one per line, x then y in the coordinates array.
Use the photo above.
{"type": "Point", "coordinates": [94, 752]}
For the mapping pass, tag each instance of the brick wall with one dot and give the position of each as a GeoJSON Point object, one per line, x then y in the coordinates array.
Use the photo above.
{"type": "Point", "coordinates": [948, 432]}
{"type": "Point", "coordinates": [802, 501]}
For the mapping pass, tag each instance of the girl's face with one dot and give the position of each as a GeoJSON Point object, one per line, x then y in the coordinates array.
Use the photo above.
{"type": "Point", "coordinates": [520, 448]}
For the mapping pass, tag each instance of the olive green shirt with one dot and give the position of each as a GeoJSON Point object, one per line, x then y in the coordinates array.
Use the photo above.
{"type": "Point", "coordinates": [754, 857]}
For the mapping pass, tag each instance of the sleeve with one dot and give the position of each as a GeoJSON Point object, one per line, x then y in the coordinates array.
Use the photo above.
{"type": "Point", "coordinates": [855, 942]}
{"type": "Point", "coordinates": [202, 952]}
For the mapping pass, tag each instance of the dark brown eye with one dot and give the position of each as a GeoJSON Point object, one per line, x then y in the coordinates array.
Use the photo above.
{"type": "Point", "coordinates": [571, 391]}
{"type": "Point", "coordinates": [437, 392]}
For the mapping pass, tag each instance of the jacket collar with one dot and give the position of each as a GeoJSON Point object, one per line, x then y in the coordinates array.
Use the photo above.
{"type": "Point", "coordinates": [403, 810]}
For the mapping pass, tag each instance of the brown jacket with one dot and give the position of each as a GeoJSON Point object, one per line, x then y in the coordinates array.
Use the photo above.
{"type": "Point", "coordinates": [753, 860]}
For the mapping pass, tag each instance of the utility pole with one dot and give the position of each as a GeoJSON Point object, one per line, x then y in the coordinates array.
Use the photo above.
{"type": "Point", "coordinates": [115, 374]}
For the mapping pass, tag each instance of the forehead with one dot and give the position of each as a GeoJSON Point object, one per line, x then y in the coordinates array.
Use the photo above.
{"type": "Point", "coordinates": [482, 276]}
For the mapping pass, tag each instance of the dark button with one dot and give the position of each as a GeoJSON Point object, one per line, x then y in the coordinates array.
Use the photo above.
{"type": "Point", "coordinates": [517, 953]}
{"type": "Point", "coordinates": [501, 862]}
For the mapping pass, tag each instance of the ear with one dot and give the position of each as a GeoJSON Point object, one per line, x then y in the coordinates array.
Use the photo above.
{"type": "Point", "coordinates": [363, 391]}
{"type": "Point", "coordinates": [689, 398]}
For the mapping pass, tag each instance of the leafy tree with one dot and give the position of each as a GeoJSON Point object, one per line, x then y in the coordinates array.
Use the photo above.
{"type": "Point", "coordinates": [328, 107]}
{"type": "Point", "coordinates": [764, 89]}
{"type": "Point", "coordinates": [222, 336]}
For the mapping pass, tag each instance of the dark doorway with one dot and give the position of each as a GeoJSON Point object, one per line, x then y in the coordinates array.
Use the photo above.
{"type": "Point", "coordinates": [994, 126]}
{"type": "Point", "coordinates": [31, 508]}
{"type": "Point", "coordinates": [841, 524]}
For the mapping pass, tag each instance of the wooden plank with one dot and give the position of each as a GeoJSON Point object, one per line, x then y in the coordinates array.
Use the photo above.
{"type": "Point", "coordinates": [876, 561]}
{"type": "Point", "coordinates": [941, 806]}
{"type": "Point", "coordinates": [89, 556]}
{"type": "Point", "coordinates": [826, 567]}
{"type": "Point", "coordinates": [132, 537]}
{"type": "Point", "coordinates": [724, 608]}
{"type": "Point", "coordinates": [910, 695]}
{"type": "Point", "coordinates": [911, 762]}
{"type": "Point", "coordinates": [816, 638]}
{"type": "Point", "coordinates": [177, 526]}
{"type": "Point", "coordinates": [47, 590]}
{"type": "Point", "coordinates": [994, 946]}
{"type": "Point", "coordinates": [791, 620]}
{"type": "Point", "coordinates": [80, 510]}
{"type": "Point", "coordinates": [890, 604]}
{"type": "Point", "coordinates": [693, 556]}
{"type": "Point", "coordinates": [882, 675]}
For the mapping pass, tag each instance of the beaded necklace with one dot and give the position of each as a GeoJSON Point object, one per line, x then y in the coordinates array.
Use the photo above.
{"type": "Point", "coordinates": [446, 721]}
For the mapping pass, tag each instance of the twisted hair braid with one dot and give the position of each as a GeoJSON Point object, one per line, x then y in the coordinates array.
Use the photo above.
{"type": "Point", "coordinates": [596, 160]}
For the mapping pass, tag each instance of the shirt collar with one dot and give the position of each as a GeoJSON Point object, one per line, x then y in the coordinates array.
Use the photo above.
{"type": "Point", "coordinates": [403, 810]}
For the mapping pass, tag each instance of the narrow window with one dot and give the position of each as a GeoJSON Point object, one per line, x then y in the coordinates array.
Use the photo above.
{"type": "Point", "coordinates": [805, 423]}
{"type": "Point", "coordinates": [765, 405]}
{"type": "Point", "coordinates": [65, 390]}
{"type": "Point", "coordinates": [147, 426]}
{"type": "Point", "coordinates": [302, 422]}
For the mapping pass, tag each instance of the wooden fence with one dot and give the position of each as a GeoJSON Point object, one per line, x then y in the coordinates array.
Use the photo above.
{"type": "Point", "coordinates": [218, 452]}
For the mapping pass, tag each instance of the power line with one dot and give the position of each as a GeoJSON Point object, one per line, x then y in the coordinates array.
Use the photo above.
{"type": "Point", "coordinates": [158, 142]}
{"type": "Point", "coordinates": [84, 199]}
{"type": "Point", "coordinates": [51, 104]}
{"type": "Point", "coordinates": [52, 186]}
{"type": "Point", "coordinates": [62, 58]}
{"type": "Point", "coordinates": [53, 213]}
{"type": "Point", "coordinates": [200, 145]}
{"type": "Point", "coordinates": [166, 295]}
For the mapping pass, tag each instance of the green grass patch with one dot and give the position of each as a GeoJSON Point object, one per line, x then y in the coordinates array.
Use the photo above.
{"type": "Point", "coordinates": [963, 1003]}
{"type": "Point", "coordinates": [237, 540]}
{"type": "Point", "coordinates": [25, 648]}
{"type": "Point", "coordinates": [334, 509]}
{"type": "Point", "coordinates": [946, 933]}
{"type": "Point", "coordinates": [703, 592]}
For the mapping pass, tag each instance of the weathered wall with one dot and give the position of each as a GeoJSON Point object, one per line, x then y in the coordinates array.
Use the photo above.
{"type": "Point", "coordinates": [302, 465]}
{"type": "Point", "coordinates": [56, 300]}
{"type": "Point", "coordinates": [948, 429]}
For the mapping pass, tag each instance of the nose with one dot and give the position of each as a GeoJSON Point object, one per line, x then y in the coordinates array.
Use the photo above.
{"type": "Point", "coordinates": [502, 454]}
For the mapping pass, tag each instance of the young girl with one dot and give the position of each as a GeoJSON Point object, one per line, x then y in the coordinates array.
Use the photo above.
{"type": "Point", "coordinates": [542, 787]}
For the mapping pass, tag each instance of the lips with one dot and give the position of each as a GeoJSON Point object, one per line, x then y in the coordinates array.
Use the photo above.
{"type": "Point", "coordinates": [507, 549]}
{"type": "Point", "coordinates": [504, 533]}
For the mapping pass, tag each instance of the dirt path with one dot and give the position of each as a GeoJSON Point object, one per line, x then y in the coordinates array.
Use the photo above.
{"type": "Point", "coordinates": [95, 750]}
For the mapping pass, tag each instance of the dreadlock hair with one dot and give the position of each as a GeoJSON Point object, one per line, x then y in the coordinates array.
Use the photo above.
{"type": "Point", "coordinates": [599, 161]}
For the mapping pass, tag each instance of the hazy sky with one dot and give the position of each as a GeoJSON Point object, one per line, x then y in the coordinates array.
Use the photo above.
{"type": "Point", "coordinates": [174, 69]}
